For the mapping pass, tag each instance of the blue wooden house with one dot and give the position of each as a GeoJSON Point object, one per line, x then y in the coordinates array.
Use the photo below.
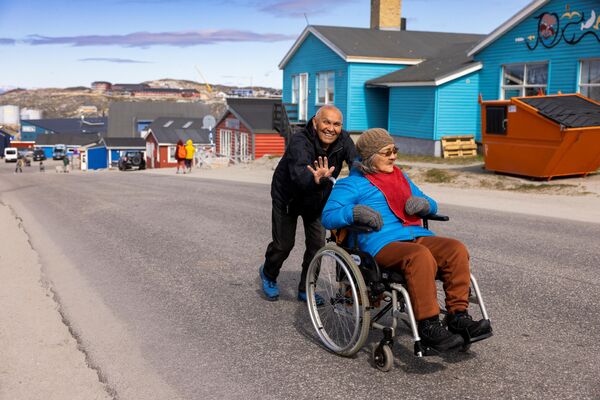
{"type": "Point", "coordinates": [422, 86]}
{"type": "Point", "coordinates": [32, 128]}
{"type": "Point", "coordinates": [357, 70]}
{"type": "Point", "coordinates": [70, 140]}
{"type": "Point", "coordinates": [550, 46]}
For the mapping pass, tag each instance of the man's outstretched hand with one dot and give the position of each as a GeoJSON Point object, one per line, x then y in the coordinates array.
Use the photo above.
{"type": "Point", "coordinates": [321, 169]}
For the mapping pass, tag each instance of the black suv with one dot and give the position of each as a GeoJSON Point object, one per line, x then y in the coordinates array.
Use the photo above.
{"type": "Point", "coordinates": [39, 155]}
{"type": "Point", "coordinates": [132, 159]}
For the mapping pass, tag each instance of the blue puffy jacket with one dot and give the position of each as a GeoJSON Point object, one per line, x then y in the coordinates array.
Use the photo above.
{"type": "Point", "coordinates": [356, 189]}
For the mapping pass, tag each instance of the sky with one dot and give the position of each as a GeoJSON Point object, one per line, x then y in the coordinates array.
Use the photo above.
{"type": "Point", "coordinates": [65, 43]}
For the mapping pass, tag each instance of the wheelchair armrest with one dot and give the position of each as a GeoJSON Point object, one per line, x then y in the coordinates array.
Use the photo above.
{"type": "Point", "coordinates": [436, 217]}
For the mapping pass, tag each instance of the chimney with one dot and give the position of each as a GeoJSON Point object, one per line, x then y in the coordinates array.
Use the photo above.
{"type": "Point", "coordinates": [386, 15]}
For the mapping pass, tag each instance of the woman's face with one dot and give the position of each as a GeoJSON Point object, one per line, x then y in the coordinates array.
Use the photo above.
{"type": "Point", "coordinates": [384, 159]}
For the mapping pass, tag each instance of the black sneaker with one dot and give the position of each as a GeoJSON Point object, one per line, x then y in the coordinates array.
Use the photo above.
{"type": "Point", "coordinates": [434, 335]}
{"type": "Point", "coordinates": [472, 331]}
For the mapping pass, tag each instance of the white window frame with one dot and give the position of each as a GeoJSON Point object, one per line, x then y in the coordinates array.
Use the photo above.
{"type": "Point", "coordinates": [171, 150]}
{"type": "Point", "coordinates": [327, 99]}
{"type": "Point", "coordinates": [524, 86]}
{"type": "Point", "coordinates": [225, 145]}
{"type": "Point", "coordinates": [244, 147]}
{"type": "Point", "coordinates": [588, 85]}
{"type": "Point", "coordinates": [295, 88]}
{"type": "Point", "coordinates": [303, 93]}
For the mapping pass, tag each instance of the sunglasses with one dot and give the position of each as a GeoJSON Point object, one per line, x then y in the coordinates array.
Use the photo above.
{"type": "Point", "coordinates": [389, 152]}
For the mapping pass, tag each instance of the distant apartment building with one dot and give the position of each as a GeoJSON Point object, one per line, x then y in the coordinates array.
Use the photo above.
{"type": "Point", "coordinates": [141, 90]}
{"type": "Point", "coordinates": [101, 86]}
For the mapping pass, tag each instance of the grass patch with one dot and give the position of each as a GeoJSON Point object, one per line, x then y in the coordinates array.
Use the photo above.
{"type": "Point", "coordinates": [435, 175]}
{"type": "Point", "coordinates": [489, 184]}
{"type": "Point", "coordinates": [439, 160]}
{"type": "Point", "coordinates": [530, 187]}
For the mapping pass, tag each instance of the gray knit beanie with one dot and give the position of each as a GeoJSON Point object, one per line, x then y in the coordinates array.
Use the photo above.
{"type": "Point", "coordinates": [371, 141]}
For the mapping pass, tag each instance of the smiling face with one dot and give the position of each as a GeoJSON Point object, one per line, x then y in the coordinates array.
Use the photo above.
{"type": "Point", "coordinates": [384, 159]}
{"type": "Point", "coordinates": [328, 124]}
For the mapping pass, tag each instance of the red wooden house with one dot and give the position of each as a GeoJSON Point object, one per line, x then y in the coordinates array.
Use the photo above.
{"type": "Point", "coordinates": [245, 132]}
{"type": "Point", "coordinates": [162, 137]}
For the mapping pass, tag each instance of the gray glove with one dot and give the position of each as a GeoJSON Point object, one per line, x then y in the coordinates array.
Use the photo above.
{"type": "Point", "coordinates": [417, 206]}
{"type": "Point", "coordinates": [364, 215]}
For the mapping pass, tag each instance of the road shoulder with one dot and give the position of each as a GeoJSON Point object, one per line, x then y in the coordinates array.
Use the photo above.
{"type": "Point", "coordinates": [40, 358]}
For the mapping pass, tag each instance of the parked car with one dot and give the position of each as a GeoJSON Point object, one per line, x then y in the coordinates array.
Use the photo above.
{"type": "Point", "coordinates": [132, 159]}
{"type": "Point", "coordinates": [59, 152]}
{"type": "Point", "coordinates": [10, 154]}
{"type": "Point", "coordinates": [39, 155]}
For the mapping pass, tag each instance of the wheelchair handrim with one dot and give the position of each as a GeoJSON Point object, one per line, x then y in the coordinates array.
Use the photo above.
{"type": "Point", "coordinates": [355, 306]}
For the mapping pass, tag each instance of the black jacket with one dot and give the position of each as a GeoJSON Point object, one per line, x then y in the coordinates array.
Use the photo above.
{"type": "Point", "coordinates": [293, 188]}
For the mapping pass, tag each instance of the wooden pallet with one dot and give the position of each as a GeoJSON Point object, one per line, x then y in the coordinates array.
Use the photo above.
{"type": "Point", "coordinates": [459, 146]}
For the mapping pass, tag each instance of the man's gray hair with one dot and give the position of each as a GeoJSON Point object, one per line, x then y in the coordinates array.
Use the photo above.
{"type": "Point", "coordinates": [328, 107]}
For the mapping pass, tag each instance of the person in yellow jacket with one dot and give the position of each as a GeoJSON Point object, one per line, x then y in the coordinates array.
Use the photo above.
{"type": "Point", "coordinates": [189, 154]}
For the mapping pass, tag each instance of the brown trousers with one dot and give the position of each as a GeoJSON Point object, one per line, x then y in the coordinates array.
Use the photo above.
{"type": "Point", "coordinates": [419, 261]}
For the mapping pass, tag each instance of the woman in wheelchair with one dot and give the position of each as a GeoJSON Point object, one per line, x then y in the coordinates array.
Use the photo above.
{"type": "Point", "coordinates": [378, 195]}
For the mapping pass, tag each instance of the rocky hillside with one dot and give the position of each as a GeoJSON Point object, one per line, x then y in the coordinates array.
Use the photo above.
{"type": "Point", "coordinates": [68, 103]}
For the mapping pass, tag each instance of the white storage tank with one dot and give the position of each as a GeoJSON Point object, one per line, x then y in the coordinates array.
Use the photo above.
{"type": "Point", "coordinates": [9, 115]}
{"type": "Point", "coordinates": [31, 113]}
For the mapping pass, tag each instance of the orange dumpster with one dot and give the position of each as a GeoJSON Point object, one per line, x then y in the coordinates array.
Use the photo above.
{"type": "Point", "coordinates": [541, 136]}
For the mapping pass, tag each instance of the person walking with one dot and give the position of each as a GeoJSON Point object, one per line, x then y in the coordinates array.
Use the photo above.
{"type": "Point", "coordinates": [300, 187]}
{"type": "Point", "coordinates": [65, 164]}
{"type": "Point", "coordinates": [19, 166]}
{"type": "Point", "coordinates": [190, 150]}
{"type": "Point", "coordinates": [180, 154]}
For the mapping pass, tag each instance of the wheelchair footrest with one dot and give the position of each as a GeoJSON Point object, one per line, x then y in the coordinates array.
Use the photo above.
{"type": "Point", "coordinates": [468, 339]}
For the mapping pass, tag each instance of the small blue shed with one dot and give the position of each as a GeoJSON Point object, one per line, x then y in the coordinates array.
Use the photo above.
{"type": "Point", "coordinates": [97, 157]}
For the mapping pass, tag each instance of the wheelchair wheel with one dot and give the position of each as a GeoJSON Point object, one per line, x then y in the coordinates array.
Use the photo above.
{"type": "Point", "coordinates": [382, 357]}
{"type": "Point", "coordinates": [342, 319]}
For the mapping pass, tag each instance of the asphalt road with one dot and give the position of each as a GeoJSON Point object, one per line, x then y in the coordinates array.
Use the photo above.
{"type": "Point", "coordinates": [157, 278]}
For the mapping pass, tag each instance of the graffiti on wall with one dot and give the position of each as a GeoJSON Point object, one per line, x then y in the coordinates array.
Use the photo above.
{"type": "Point", "coordinates": [570, 27]}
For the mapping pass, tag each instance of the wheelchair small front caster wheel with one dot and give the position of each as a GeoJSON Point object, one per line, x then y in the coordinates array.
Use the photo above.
{"type": "Point", "coordinates": [383, 358]}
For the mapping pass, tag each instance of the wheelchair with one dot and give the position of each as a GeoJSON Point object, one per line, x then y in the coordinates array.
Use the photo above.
{"type": "Point", "coordinates": [349, 295]}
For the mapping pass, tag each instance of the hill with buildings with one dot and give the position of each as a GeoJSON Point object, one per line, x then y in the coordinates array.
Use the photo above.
{"type": "Point", "coordinates": [78, 101]}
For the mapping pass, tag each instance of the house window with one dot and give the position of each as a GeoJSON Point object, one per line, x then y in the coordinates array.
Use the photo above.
{"type": "Point", "coordinates": [589, 83]}
{"type": "Point", "coordinates": [232, 123]}
{"type": "Point", "coordinates": [225, 142]}
{"type": "Point", "coordinates": [524, 80]}
{"type": "Point", "coordinates": [244, 149]}
{"type": "Point", "coordinates": [172, 150]}
{"type": "Point", "coordinates": [325, 87]}
{"type": "Point", "coordinates": [295, 88]}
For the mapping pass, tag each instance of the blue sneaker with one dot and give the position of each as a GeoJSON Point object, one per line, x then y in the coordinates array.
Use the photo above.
{"type": "Point", "coordinates": [269, 286]}
{"type": "Point", "coordinates": [318, 299]}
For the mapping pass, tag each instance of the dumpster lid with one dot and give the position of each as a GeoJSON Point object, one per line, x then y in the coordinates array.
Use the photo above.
{"type": "Point", "coordinates": [572, 111]}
